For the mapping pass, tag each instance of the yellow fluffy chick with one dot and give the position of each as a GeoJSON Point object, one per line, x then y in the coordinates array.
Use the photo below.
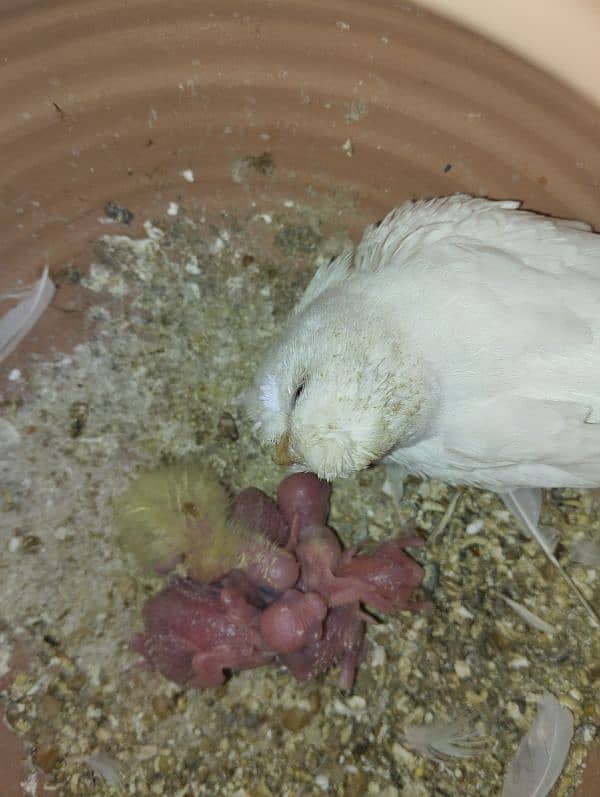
{"type": "Point", "coordinates": [180, 514]}
{"type": "Point", "coordinates": [178, 511]}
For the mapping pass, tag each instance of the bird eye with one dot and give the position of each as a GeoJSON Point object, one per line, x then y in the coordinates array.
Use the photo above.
{"type": "Point", "coordinates": [297, 393]}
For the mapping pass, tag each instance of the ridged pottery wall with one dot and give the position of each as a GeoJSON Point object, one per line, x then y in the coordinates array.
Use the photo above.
{"type": "Point", "coordinates": [109, 100]}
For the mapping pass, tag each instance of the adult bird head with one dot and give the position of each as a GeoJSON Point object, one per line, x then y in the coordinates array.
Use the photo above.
{"type": "Point", "coordinates": [339, 391]}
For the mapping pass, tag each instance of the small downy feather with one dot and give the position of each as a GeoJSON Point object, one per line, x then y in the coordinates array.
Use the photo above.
{"type": "Point", "coordinates": [541, 756]}
{"type": "Point", "coordinates": [103, 765]}
{"type": "Point", "coordinates": [528, 616]}
{"type": "Point", "coordinates": [18, 321]}
{"type": "Point", "coordinates": [586, 552]}
{"type": "Point", "coordinates": [525, 505]}
{"type": "Point", "coordinates": [456, 738]}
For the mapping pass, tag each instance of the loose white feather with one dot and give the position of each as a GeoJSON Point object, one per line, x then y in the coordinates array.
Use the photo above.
{"type": "Point", "coordinates": [17, 322]}
{"type": "Point", "coordinates": [103, 765]}
{"type": "Point", "coordinates": [529, 502]}
{"type": "Point", "coordinates": [523, 504]}
{"type": "Point", "coordinates": [456, 738]}
{"type": "Point", "coordinates": [551, 535]}
{"type": "Point", "coordinates": [528, 616]}
{"type": "Point", "coordinates": [586, 552]}
{"type": "Point", "coordinates": [542, 753]}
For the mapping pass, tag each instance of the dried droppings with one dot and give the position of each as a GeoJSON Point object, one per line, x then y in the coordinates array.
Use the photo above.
{"type": "Point", "coordinates": [119, 213]}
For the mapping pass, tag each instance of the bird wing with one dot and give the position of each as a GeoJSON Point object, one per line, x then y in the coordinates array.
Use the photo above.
{"type": "Point", "coordinates": [505, 306]}
{"type": "Point", "coordinates": [407, 232]}
{"type": "Point", "coordinates": [327, 276]}
{"type": "Point", "coordinates": [512, 429]}
{"type": "Point", "coordinates": [405, 235]}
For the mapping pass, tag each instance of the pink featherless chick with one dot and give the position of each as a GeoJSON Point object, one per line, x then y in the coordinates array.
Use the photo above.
{"type": "Point", "coordinates": [383, 578]}
{"type": "Point", "coordinates": [195, 633]}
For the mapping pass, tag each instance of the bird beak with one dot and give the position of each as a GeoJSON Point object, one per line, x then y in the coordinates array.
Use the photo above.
{"type": "Point", "coordinates": [282, 455]}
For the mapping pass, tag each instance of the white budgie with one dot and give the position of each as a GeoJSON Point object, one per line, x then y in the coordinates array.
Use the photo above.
{"type": "Point", "coordinates": [459, 341]}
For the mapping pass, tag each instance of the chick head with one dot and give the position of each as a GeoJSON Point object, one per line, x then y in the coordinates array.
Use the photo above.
{"type": "Point", "coordinates": [337, 393]}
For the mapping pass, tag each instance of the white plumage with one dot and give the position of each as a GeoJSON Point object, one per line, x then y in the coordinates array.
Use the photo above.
{"type": "Point", "coordinates": [460, 340]}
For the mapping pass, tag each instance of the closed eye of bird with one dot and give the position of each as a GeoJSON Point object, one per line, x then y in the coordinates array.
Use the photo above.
{"type": "Point", "coordinates": [298, 392]}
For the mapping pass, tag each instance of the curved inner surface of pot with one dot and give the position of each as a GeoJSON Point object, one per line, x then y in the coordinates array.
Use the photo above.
{"type": "Point", "coordinates": [227, 109]}
{"type": "Point", "coordinates": [361, 106]}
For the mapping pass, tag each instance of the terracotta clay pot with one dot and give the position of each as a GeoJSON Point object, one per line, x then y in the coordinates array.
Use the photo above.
{"type": "Point", "coordinates": [112, 101]}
